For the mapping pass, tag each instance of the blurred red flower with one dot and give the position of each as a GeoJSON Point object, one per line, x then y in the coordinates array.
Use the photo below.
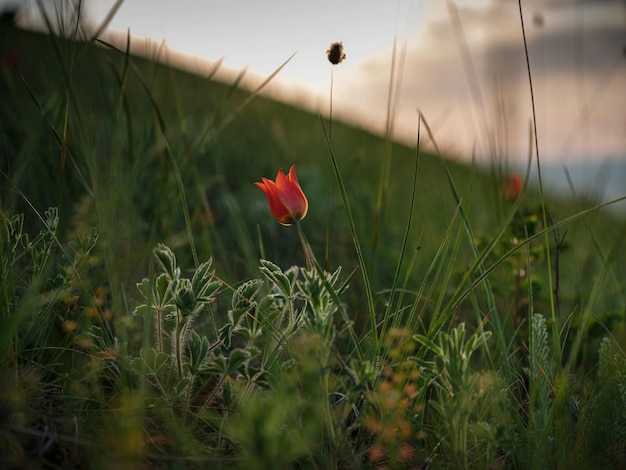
{"type": "Point", "coordinates": [511, 187]}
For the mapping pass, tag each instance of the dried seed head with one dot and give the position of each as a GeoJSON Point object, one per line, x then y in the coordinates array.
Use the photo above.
{"type": "Point", "coordinates": [335, 53]}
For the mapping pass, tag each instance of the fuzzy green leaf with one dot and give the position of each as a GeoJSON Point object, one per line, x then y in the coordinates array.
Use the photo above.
{"type": "Point", "coordinates": [166, 259]}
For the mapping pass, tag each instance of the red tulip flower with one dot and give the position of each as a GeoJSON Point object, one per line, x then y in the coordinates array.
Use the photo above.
{"type": "Point", "coordinates": [288, 203]}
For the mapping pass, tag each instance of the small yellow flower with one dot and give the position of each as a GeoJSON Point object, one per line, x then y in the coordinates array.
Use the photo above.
{"type": "Point", "coordinates": [90, 312]}
{"type": "Point", "coordinates": [70, 326]}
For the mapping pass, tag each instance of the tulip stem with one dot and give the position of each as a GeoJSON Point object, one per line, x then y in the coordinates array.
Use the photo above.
{"type": "Point", "coordinates": [308, 253]}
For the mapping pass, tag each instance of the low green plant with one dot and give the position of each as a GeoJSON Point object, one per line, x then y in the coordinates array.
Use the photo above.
{"type": "Point", "coordinates": [175, 301]}
{"type": "Point", "coordinates": [276, 359]}
{"type": "Point", "coordinates": [603, 421]}
{"type": "Point", "coordinates": [464, 405]}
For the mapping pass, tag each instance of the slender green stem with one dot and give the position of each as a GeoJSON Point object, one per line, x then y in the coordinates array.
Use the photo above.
{"type": "Point", "coordinates": [330, 133]}
{"type": "Point", "coordinates": [555, 326]}
{"type": "Point", "coordinates": [187, 395]}
{"type": "Point", "coordinates": [159, 330]}
{"type": "Point", "coordinates": [328, 412]}
{"type": "Point", "coordinates": [330, 111]}
{"type": "Point", "coordinates": [396, 278]}
{"type": "Point", "coordinates": [385, 162]}
{"type": "Point", "coordinates": [306, 248]}
{"type": "Point", "coordinates": [179, 356]}
{"type": "Point", "coordinates": [355, 240]}
{"type": "Point", "coordinates": [183, 199]}
{"type": "Point", "coordinates": [208, 400]}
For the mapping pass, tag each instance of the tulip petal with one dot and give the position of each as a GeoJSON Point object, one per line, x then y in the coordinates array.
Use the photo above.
{"type": "Point", "coordinates": [277, 208]}
{"type": "Point", "coordinates": [286, 199]}
{"type": "Point", "coordinates": [291, 194]}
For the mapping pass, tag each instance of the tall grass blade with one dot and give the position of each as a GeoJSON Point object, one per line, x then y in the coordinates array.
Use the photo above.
{"type": "Point", "coordinates": [107, 19]}
{"type": "Point", "coordinates": [407, 231]}
{"type": "Point", "coordinates": [228, 119]}
{"type": "Point", "coordinates": [355, 240]}
{"type": "Point", "coordinates": [555, 328]}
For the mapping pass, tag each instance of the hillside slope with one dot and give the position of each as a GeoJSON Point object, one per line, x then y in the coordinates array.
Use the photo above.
{"type": "Point", "coordinates": [127, 145]}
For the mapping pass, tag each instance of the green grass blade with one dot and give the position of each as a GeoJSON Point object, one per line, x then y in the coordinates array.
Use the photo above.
{"type": "Point", "coordinates": [355, 240]}
{"type": "Point", "coordinates": [401, 255]}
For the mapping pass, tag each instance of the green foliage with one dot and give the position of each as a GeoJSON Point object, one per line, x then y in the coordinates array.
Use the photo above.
{"type": "Point", "coordinates": [172, 302]}
{"type": "Point", "coordinates": [40, 288]}
{"type": "Point", "coordinates": [395, 415]}
{"type": "Point", "coordinates": [217, 358]}
{"type": "Point", "coordinates": [268, 368]}
{"type": "Point", "coordinates": [465, 407]}
{"type": "Point", "coordinates": [604, 421]}
{"type": "Point", "coordinates": [540, 377]}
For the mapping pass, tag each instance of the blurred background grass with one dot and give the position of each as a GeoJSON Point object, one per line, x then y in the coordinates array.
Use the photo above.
{"type": "Point", "coordinates": [105, 136]}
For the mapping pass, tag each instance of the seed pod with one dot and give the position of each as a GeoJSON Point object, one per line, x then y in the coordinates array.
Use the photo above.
{"type": "Point", "coordinates": [335, 53]}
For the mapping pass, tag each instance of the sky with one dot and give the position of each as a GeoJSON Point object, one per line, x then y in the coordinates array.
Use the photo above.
{"type": "Point", "coordinates": [462, 64]}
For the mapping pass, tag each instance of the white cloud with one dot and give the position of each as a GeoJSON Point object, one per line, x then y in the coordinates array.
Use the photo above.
{"type": "Point", "coordinates": [575, 47]}
{"type": "Point", "coordinates": [578, 79]}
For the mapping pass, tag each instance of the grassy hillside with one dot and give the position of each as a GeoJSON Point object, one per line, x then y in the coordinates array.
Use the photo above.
{"type": "Point", "coordinates": [145, 154]}
{"type": "Point", "coordinates": [89, 129]}
{"type": "Point", "coordinates": [105, 112]}
{"type": "Point", "coordinates": [103, 125]}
